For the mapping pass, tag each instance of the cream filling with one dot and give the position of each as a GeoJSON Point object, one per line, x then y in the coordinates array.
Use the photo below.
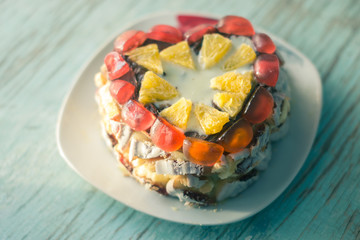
{"type": "Point", "coordinates": [194, 85]}
{"type": "Point", "coordinates": [284, 111]}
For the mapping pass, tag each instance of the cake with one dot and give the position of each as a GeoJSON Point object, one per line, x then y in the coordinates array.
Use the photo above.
{"type": "Point", "coordinates": [190, 112]}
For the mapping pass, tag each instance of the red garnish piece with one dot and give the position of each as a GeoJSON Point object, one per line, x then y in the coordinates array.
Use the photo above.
{"type": "Point", "coordinates": [202, 152]}
{"type": "Point", "coordinates": [196, 33]}
{"type": "Point", "coordinates": [163, 37]}
{"type": "Point", "coordinates": [166, 136]}
{"type": "Point", "coordinates": [235, 25]}
{"type": "Point", "coordinates": [263, 43]}
{"type": "Point", "coordinates": [130, 77]}
{"type": "Point", "coordinates": [116, 65]}
{"type": "Point", "coordinates": [137, 116]}
{"type": "Point", "coordinates": [129, 40]}
{"type": "Point", "coordinates": [187, 22]}
{"type": "Point", "coordinates": [121, 90]}
{"type": "Point", "coordinates": [237, 137]}
{"type": "Point", "coordinates": [165, 33]}
{"type": "Point", "coordinates": [167, 29]}
{"type": "Point", "coordinates": [266, 69]}
{"type": "Point", "coordinates": [260, 106]}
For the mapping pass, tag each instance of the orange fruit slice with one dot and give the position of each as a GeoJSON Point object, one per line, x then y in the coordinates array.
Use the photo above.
{"type": "Point", "coordinates": [229, 102]}
{"type": "Point", "coordinates": [210, 119]}
{"type": "Point", "coordinates": [179, 54]}
{"type": "Point", "coordinates": [233, 82]}
{"type": "Point", "coordinates": [148, 57]}
{"type": "Point", "coordinates": [178, 113]}
{"type": "Point", "coordinates": [243, 55]}
{"type": "Point", "coordinates": [213, 49]}
{"type": "Point", "coordinates": [154, 88]}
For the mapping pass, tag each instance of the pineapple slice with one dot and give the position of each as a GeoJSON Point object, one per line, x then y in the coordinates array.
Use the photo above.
{"type": "Point", "coordinates": [178, 113]}
{"type": "Point", "coordinates": [210, 119]}
{"type": "Point", "coordinates": [213, 49]}
{"type": "Point", "coordinates": [179, 54]}
{"type": "Point", "coordinates": [154, 88]}
{"type": "Point", "coordinates": [243, 55]}
{"type": "Point", "coordinates": [148, 57]}
{"type": "Point", "coordinates": [229, 102]}
{"type": "Point", "coordinates": [233, 82]}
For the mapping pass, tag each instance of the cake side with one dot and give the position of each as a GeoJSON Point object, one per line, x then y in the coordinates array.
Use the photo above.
{"type": "Point", "coordinates": [193, 118]}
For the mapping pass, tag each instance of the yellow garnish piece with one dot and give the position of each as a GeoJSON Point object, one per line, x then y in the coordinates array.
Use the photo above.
{"type": "Point", "coordinates": [154, 88]}
{"type": "Point", "coordinates": [213, 49]}
{"type": "Point", "coordinates": [109, 107]}
{"type": "Point", "coordinates": [233, 82]}
{"type": "Point", "coordinates": [179, 54]}
{"type": "Point", "coordinates": [229, 102]}
{"type": "Point", "coordinates": [99, 79]}
{"type": "Point", "coordinates": [112, 110]}
{"type": "Point", "coordinates": [178, 113]}
{"type": "Point", "coordinates": [148, 57]}
{"type": "Point", "coordinates": [210, 119]}
{"type": "Point", "coordinates": [243, 55]}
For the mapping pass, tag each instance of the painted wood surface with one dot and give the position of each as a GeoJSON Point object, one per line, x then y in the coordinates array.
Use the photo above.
{"type": "Point", "coordinates": [45, 43]}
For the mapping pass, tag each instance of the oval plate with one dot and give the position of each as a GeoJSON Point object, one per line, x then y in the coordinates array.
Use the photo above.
{"type": "Point", "coordinates": [81, 145]}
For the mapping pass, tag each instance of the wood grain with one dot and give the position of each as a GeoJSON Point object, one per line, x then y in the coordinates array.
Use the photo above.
{"type": "Point", "coordinates": [45, 43]}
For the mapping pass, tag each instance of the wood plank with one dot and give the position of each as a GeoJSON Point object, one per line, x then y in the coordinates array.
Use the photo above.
{"type": "Point", "coordinates": [45, 43]}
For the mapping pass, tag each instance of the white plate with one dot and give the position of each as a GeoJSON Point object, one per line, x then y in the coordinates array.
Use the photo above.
{"type": "Point", "coordinates": [81, 145]}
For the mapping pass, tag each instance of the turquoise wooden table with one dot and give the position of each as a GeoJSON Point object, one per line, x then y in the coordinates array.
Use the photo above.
{"type": "Point", "coordinates": [44, 44]}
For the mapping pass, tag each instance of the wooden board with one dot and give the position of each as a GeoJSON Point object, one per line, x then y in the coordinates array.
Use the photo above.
{"type": "Point", "coordinates": [45, 43]}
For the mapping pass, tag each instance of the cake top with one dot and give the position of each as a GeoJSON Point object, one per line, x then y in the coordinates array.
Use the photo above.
{"type": "Point", "coordinates": [204, 81]}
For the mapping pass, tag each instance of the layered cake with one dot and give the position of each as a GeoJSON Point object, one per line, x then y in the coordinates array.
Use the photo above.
{"type": "Point", "coordinates": [190, 112]}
